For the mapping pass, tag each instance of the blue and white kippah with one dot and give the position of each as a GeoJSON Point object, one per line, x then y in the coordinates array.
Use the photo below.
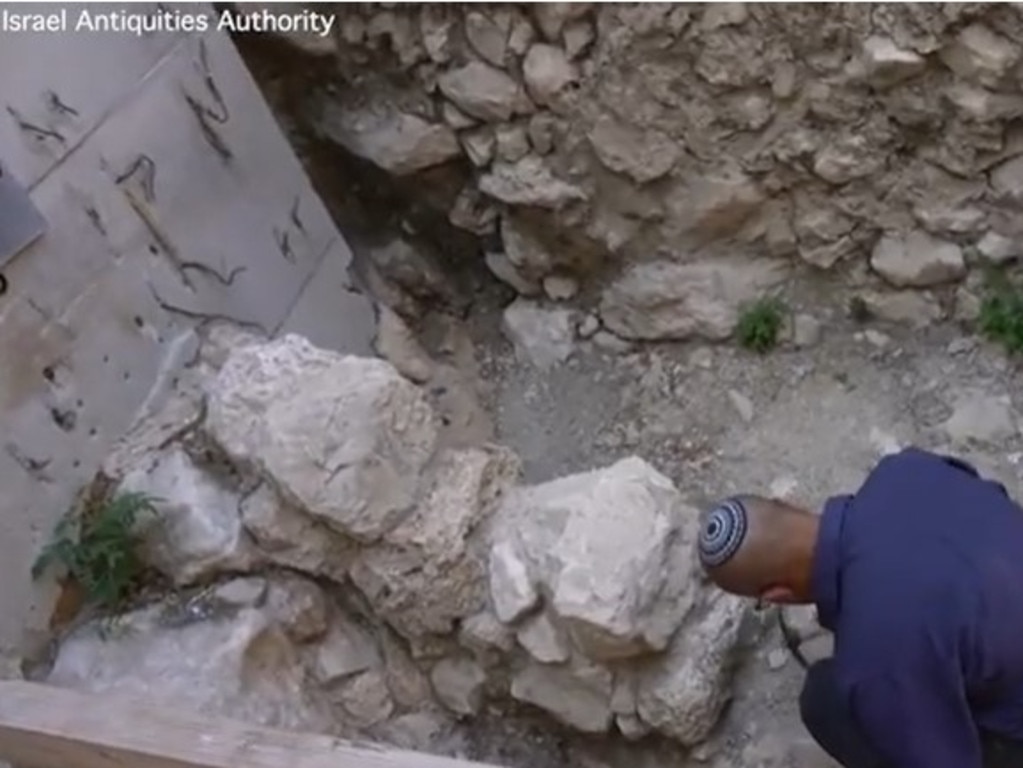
{"type": "Point", "coordinates": [723, 532]}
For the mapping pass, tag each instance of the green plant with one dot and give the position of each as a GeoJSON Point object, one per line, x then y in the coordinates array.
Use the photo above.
{"type": "Point", "coordinates": [1001, 313]}
{"type": "Point", "coordinates": [98, 548]}
{"type": "Point", "coordinates": [760, 323]}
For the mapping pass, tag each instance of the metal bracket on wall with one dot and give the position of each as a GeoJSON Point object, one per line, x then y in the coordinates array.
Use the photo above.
{"type": "Point", "coordinates": [21, 223]}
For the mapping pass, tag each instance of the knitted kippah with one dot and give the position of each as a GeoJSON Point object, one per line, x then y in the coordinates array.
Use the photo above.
{"type": "Point", "coordinates": [723, 532]}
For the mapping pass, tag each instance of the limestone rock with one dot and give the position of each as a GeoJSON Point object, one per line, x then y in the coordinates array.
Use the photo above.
{"type": "Point", "coordinates": [424, 577]}
{"type": "Point", "coordinates": [980, 55]}
{"type": "Point", "coordinates": [547, 72]}
{"type": "Point", "coordinates": [998, 249]}
{"type": "Point", "coordinates": [577, 37]}
{"type": "Point", "coordinates": [242, 667]}
{"type": "Point", "coordinates": [665, 300]}
{"type": "Point", "coordinates": [887, 64]}
{"type": "Point", "coordinates": [197, 531]}
{"type": "Point", "coordinates": [484, 633]}
{"type": "Point", "coordinates": [482, 91]}
{"type": "Point", "coordinates": [543, 337]}
{"type": "Point", "coordinates": [716, 205]}
{"type": "Point", "coordinates": [552, 17]}
{"type": "Point", "coordinates": [579, 698]}
{"type": "Point", "coordinates": [436, 27]}
{"type": "Point", "coordinates": [512, 143]}
{"type": "Point", "coordinates": [512, 587]}
{"type": "Point", "coordinates": [396, 343]}
{"type": "Point", "coordinates": [459, 684]}
{"type": "Point", "coordinates": [917, 260]}
{"type": "Point", "coordinates": [290, 537]}
{"type": "Point", "coordinates": [479, 146]}
{"type": "Point", "coordinates": [644, 156]}
{"type": "Point", "coordinates": [521, 37]}
{"type": "Point", "coordinates": [342, 437]}
{"type": "Point", "coordinates": [980, 418]}
{"type": "Point", "coordinates": [945, 218]}
{"type": "Point", "coordinates": [486, 37]}
{"type": "Point", "coordinates": [347, 650]}
{"type": "Point", "coordinates": [544, 640]}
{"type": "Point", "coordinates": [847, 158]}
{"type": "Point", "coordinates": [1007, 180]}
{"type": "Point", "coordinates": [529, 182]}
{"type": "Point", "coordinates": [683, 693]}
{"type": "Point", "coordinates": [609, 551]}
{"type": "Point", "coordinates": [822, 235]}
{"type": "Point", "coordinates": [456, 118]}
{"type": "Point", "coordinates": [904, 307]}
{"type": "Point", "coordinates": [400, 143]}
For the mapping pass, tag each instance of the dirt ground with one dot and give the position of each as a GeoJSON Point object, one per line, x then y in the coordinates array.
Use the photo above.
{"type": "Point", "coordinates": [802, 423]}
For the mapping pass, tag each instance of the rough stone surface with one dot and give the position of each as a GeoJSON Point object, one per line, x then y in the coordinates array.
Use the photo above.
{"type": "Point", "coordinates": [482, 91]}
{"type": "Point", "coordinates": [547, 72]}
{"type": "Point", "coordinates": [242, 667]}
{"type": "Point", "coordinates": [399, 143]}
{"type": "Point", "coordinates": [917, 260]}
{"type": "Point", "coordinates": [664, 300]}
{"type": "Point", "coordinates": [682, 694]}
{"type": "Point", "coordinates": [543, 337]}
{"type": "Point", "coordinates": [579, 698]}
{"type": "Point", "coordinates": [609, 551]}
{"type": "Point", "coordinates": [197, 530]}
{"type": "Point", "coordinates": [643, 156]}
{"type": "Point", "coordinates": [290, 537]}
{"type": "Point", "coordinates": [544, 641]}
{"type": "Point", "coordinates": [344, 438]}
{"type": "Point", "coordinates": [425, 577]}
{"type": "Point", "coordinates": [529, 182]}
{"type": "Point", "coordinates": [459, 685]}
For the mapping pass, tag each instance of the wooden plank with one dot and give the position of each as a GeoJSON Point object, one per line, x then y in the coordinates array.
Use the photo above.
{"type": "Point", "coordinates": [46, 727]}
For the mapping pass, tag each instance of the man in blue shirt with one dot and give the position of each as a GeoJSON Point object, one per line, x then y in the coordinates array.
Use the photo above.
{"type": "Point", "coordinates": [919, 575]}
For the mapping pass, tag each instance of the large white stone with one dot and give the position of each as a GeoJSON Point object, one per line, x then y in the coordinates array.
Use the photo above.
{"type": "Point", "coordinates": [917, 260]}
{"type": "Point", "coordinates": [641, 155]}
{"type": "Point", "coordinates": [343, 437]}
{"type": "Point", "coordinates": [547, 72]}
{"type": "Point", "coordinates": [611, 553]}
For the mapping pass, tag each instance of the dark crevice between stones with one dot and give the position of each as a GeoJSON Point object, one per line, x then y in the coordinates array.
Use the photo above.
{"type": "Point", "coordinates": [369, 205]}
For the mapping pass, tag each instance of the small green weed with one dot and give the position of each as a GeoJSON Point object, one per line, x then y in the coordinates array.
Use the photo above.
{"type": "Point", "coordinates": [98, 549]}
{"type": "Point", "coordinates": [1001, 313]}
{"type": "Point", "coordinates": [760, 324]}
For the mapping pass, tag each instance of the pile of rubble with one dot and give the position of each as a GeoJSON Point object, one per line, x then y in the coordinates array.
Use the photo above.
{"type": "Point", "coordinates": [340, 570]}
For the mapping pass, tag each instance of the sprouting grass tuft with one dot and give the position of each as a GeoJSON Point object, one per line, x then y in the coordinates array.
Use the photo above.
{"type": "Point", "coordinates": [99, 549]}
{"type": "Point", "coordinates": [1001, 313]}
{"type": "Point", "coordinates": [760, 325]}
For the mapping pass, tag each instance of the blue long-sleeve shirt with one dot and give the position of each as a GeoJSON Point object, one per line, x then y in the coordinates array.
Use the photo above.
{"type": "Point", "coordinates": [920, 577]}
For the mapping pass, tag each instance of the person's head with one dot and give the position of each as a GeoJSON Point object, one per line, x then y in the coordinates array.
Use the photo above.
{"type": "Point", "coordinates": [762, 548]}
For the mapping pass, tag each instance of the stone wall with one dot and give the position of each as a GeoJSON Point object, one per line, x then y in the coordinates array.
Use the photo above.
{"type": "Point", "coordinates": [672, 161]}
